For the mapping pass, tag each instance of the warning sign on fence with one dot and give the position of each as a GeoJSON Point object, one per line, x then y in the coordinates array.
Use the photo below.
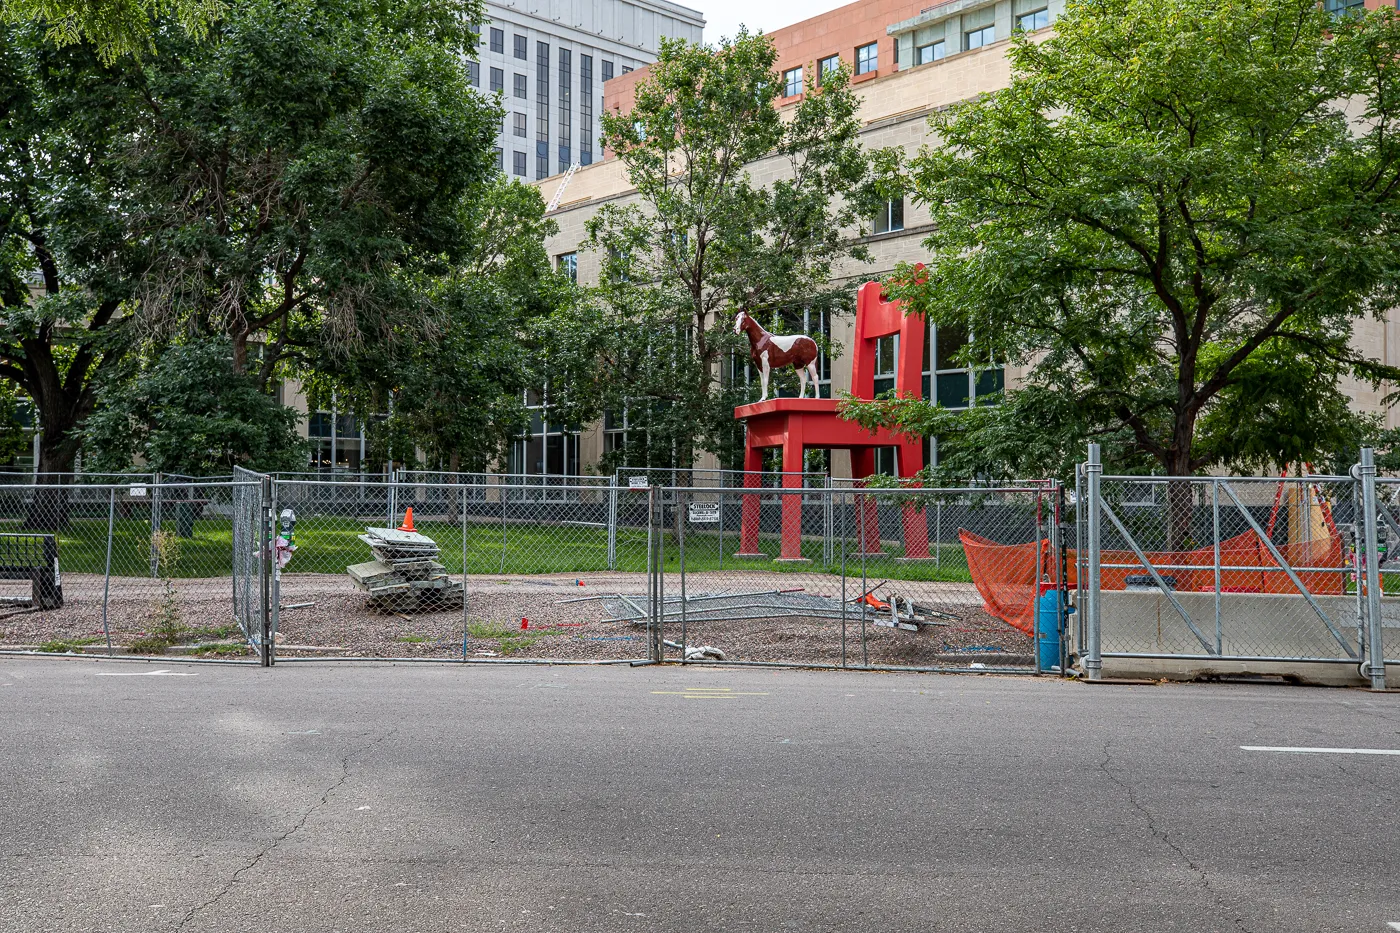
{"type": "Point", "coordinates": [704, 513]}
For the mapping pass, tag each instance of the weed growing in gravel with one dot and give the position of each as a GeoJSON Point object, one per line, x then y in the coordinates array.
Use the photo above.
{"type": "Point", "coordinates": [221, 649]}
{"type": "Point", "coordinates": [62, 646]}
{"type": "Point", "coordinates": [414, 639]}
{"type": "Point", "coordinates": [508, 640]}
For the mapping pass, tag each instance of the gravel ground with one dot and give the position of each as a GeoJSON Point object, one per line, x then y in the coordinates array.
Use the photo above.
{"type": "Point", "coordinates": [339, 619]}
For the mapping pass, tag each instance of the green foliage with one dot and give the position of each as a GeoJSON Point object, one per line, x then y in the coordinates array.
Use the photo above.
{"type": "Point", "coordinates": [703, 240]}
{"type": "Point", "coordinates": [188, 412]}
{"type": "Point", "coordinates": [294, 182]}
{"type": "Point", "coordinates": [1168, 220]}
{"type": "Point", "coordinates": [458, 390]}
{"type": "Point", "coordinates": [114, 27]}
{"type": "Point", "coordinates": [13, 438]}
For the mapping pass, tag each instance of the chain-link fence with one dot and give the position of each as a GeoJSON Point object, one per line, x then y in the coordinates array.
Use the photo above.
{"type": "Point", "coordinates": [140, 567]}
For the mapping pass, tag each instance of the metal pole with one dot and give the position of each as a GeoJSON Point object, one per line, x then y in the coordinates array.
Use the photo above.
{"type": "Point", "coordinates": [938, 533]}
{"type": "Point", "coordinates": [1093, 651]}
{"type": "Point", "coordinates": [1215, 519]}
{"type": "Point", "coordinates": [464, 573]}
{"type": "Point", "coordinates": [265, 572]}
{"type": "Point", "coordinates": [1039, 573]}
{"type": "Point", "coordinates": [844, 604]}
{"type": "Point", "coordinates": [107, 573]}
{"type": "Point", "coordinates": [721, 523]}
{"type": "Point", "coordinates": [652, 610]}
{"type": "Point", "coordinates": [1375, 651]}
{"type": "Point", "coordinates": [683, 516]}
{"type": "Point", "coordinates": [864, 547]}
{"type": "Point", "coordinates": [155, 524]}
{"type": "Point", "coordinates": [612, 523]}
{"type": "Point", "coordinates": [505, 490]}
{"type": "Point", "coordinates": [274, 517]}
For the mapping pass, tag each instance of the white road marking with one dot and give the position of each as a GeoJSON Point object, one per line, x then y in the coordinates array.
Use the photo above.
{"type": "Point", "coordinates": [146, 674]}
{"type": "Point", "coordinates": [1393, 925]}
{"type": "Point", "coordinates": [1300, 750]}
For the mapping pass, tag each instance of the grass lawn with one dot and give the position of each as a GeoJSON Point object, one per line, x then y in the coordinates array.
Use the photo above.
{"type": "Point", "coordinates": [329, 545]}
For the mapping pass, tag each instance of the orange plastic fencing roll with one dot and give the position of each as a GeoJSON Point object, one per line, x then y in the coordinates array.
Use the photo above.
{"type": "Point", "coordinates": [1004, 574]}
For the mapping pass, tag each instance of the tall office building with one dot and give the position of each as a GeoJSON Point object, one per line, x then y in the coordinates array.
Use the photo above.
{"type": "Point", "coordinates": [549, 59]}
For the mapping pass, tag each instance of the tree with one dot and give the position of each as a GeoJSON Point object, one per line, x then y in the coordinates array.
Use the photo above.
{"type": "Point", "coordinates": [291, 183]}
{"type": "Point", "coordinates": [1170, 220]}
{"type": "Point", "coordinates": [459, 396]}
{"type": "Point", "coordinates": [114, 27]}
{"type": "Point", "coordinates": [188, 412]}
{"type": "Point", "coordinates": [703, 240]}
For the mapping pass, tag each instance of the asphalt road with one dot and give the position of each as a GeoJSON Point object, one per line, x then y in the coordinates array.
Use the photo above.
{"type": "Point", "coordinates": [415, 798]}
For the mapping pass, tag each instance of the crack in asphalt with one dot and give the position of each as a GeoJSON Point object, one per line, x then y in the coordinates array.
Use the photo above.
{"type": "Point", "coordinates": [1164, 835]}
{"type": "Point", "coordinates": [267, 850]}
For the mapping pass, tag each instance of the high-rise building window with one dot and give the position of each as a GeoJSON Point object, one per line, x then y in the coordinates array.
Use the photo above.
{"type": "Point", "coordinates": [792, 82]}
{"type": "Point", "coordinates": [976, 38]}
{"type": "Point", "coordinates": [826, 66]}
{"type": "Point", "coordinates": [519, 166]}
{"type": "Point", "coordinates": [891, 217]}
{"type": "Point", "coordinates": [1340, 8]}
{"type": "Point", "coordinates": [626, 69]}
{"type": "Point", "coordinates": [867, 58]}
{"type": "Point", "coordinates": [607, 70]}
{"type": "Point", "coordinates": [585, 110]}
{"type": "Point", "coordinates": [541, 109]}
{"type": "Point", "coordinates": [1036, 19]}
{"type": "Point", "coordinates": [474, 74]}
{"type": "Point", "coordinates": [566, 109]}
{"type": "Point", "coordinates": [520, 129]}
{"type": "Point", "coordinates": [567, 263]}
{"type": "Point", "coordinates": [930, 53]}
{"type": "Point", "coordinates": [521, 86]}
{"type": "Point", "coordinates": [500, 160]}
{"type": "Point", "coordinates": [498, 80]}
{"type": "Point", "coordinates": [498, 40]}
{"type": "Point", "coordinates": [522, 48]}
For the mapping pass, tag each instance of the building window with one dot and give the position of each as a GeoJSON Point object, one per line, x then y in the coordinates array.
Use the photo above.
{"type": "Point", "coordinates": [522, 48]}
{"type": "Point", "coordinates": [498, 40]}
{"type": "Point", "coordinates": [498, 80]}
{"type": "Point", "coordinates": [585, 110]}
{"type": "Point", "coordinates": [867, 58]}
{"type": "Point", "coordinates": [626, 69]}
{"type": "Point", "coordinates": [792, 82]}
{"type": "Point", "coordinates": [521, 86]}
{"type": "Point", "coordinates": [930, 53]}
{"type": "Point", "coordinates": [567, 263]}
{"type": "Point", "coordinates": [1036, 19]}
{"type": "Point", "coordinates": [826, 66]}
{"type": "Point", "coordinates": [541, 110]}
{"type": "Point", "coordinates": [1339, 8]}
{"type": "Point", "coordinates": [891, 218]}
{"type": "Point", "coordinates": [474, 74]}
{"type": "Point", "coordinates": [550, 449]}
{"type": "Point", "coordinates": [949, 381]}
{"type": "Point", "coordinates": [519, 166]}
{"type": "Point", "coordinates": [607, 71]}
{"type": "Point", "coordinates": [500, 159]}
{"type": "Point", "coordinates": [817, 324]}
{"type": "Point", "coordinates": [886, 359]}
{"type": "Point", "coordinates": [566, 109]}
{"type": "Point", "coordinates": [520, 129]}
{"type": "Point", "coordinates": [337, 441]}
{"type": "Point", "coordinates": [976, 38]}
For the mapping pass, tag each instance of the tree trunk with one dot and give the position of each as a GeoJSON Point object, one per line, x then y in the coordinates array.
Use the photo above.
{"type": "Point", "coordinates": [48, 509]}
{"type": "Point", "coordinates": [1181, 506]}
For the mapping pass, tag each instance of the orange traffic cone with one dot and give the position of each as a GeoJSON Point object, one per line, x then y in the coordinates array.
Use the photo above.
{"type": "Point", "coordinates": [408, 521]}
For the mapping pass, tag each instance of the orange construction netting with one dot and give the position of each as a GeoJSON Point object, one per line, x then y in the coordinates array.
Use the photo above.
{"type": "Point", "coordinates": [1004, 574]}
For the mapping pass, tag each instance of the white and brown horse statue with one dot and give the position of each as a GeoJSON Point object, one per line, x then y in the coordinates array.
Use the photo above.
{"type": "Point", "coordinates": [770, 352]}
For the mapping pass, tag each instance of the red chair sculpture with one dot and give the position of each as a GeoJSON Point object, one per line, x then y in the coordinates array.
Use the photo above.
{"type": "Point", "coordinates": [795, 424]}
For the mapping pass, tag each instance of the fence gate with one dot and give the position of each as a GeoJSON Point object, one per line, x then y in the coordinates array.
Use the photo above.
{"type": "Point", "coordinates": [251, 591]}
{"type": "Point", "coordinates": [1227, 568]}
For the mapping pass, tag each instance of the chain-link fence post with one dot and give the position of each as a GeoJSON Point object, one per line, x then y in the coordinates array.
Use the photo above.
{"type": "Point", "coordinates": [265, 564]}
{"type": "Point", "coordinates": [1093, 656]}
{"type": "Point", "coordinates": [107, 572]}
{"type": "Point", "coordinates": [155, 525]}
{"type": "Point", "coordinates": [612, 523]}
{"type": "Point", "coordinates": [683, 511]}
{"type": "Point", "coordinates": [1375, 649]}
{"type": "Point", "coordinates": [465, 623]}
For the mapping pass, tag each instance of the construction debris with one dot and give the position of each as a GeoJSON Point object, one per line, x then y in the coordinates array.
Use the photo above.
{"type": "Point", "coordinates": [405, 574]}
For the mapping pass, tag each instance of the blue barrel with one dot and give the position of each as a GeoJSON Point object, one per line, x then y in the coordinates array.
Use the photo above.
{"type": "Point", "coordinates": [1048, 616]}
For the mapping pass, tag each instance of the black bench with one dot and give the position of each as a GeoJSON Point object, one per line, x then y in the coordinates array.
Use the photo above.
{"type": "Point", "coordinates": [33, 558]}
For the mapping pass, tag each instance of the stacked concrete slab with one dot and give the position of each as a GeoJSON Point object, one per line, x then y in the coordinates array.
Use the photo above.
{"type": "Point", "coordinates": [405, 573]}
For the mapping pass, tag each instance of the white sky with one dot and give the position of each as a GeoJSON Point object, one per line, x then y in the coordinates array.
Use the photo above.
{"type": "Point", "coordinates": [722, 17]}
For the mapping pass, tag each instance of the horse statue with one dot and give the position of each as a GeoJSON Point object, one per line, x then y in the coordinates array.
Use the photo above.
{"type": "Point", "coordinates": [770, 352]}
